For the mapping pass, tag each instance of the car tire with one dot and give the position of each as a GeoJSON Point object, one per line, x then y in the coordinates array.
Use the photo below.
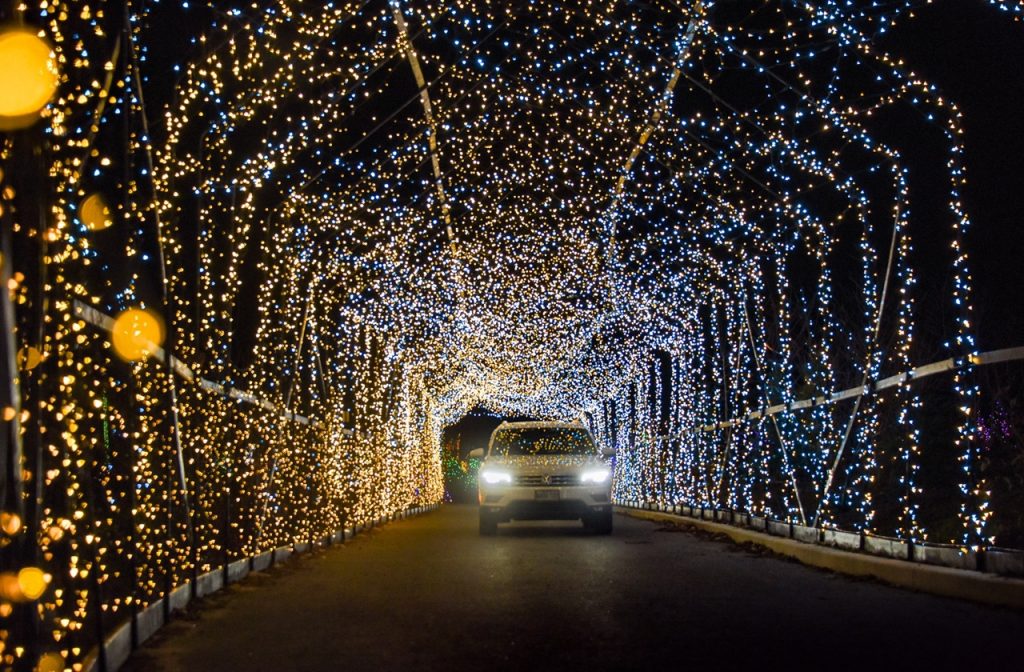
{"type": "Point", "coordinates": [488, 524]}
{"type": "Point", "coordinates": [599, 523]}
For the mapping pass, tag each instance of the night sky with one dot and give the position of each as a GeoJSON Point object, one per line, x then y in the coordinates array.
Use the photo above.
{"type": "Point", "coordinates": [975, 54]}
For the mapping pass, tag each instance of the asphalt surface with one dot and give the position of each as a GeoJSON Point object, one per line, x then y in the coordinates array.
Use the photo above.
{"type": "Point", "coordinates": [428, 593]}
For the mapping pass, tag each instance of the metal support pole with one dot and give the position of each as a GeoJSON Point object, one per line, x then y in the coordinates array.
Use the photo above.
{"type": "Point", "coordinates": [775, 424]}
{"type": "Point", "coordinates": [287, 405]}
{"type": "Point", "coordinates": [172, 392]}
{"type": "Point", "coordinates": [872, 344]}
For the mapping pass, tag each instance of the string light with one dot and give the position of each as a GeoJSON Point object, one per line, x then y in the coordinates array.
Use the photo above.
{"type": "Point", "coordinates": [374, 217]}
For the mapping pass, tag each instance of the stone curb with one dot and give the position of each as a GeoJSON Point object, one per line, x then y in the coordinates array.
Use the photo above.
{"type": "Point", "coordinates": [958, 583]}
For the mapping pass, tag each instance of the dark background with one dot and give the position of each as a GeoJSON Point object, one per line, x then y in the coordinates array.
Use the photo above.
{"type": "Point", "coordinates": [974, 53]}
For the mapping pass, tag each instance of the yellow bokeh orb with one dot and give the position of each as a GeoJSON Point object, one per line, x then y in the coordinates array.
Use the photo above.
{"type": "Point", "coordinates": [137, 334]}
{"type": "Point", "coordinates": [10, 591]}
{"type": "Point", "coordinates": [10, 523]}
{"type": "Point", "coordinates": [95, 214]}
{"type": "Point", "coordinates": [32, 582]}
{"type": "Point", "coordinates": [29, 358]}
{"type": "Point", "coordinates": [51, 662]}
{"type": "Point", "coordinates": [28, 77]}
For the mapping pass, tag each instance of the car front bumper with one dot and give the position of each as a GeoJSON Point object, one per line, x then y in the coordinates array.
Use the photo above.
{"type": "Point", "coordinates": [544, 503]}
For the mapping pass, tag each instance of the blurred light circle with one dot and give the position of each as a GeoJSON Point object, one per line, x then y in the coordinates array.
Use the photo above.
{"type": "Point", "coordinates": [137, 334]}
{"type": "Point", "coordinates": [10, 522]}
{"type": "Point", "coordinates": [32, 582]}
{"type": "Point", "coordinates": [29, 358]}
{"type": "Point", "coordinates": [10, 589]}
{"type": "Point", "coordinates": [28, 77]}
{"type": "Point", "coordinates": [95, 214]}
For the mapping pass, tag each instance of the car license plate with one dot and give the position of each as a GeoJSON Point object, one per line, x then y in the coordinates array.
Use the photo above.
{"type": "Point", "coordinates": [546, 495]}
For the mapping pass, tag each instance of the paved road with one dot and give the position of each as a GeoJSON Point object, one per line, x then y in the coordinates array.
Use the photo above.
{"type": "Point", "coordinates": [429, 594]}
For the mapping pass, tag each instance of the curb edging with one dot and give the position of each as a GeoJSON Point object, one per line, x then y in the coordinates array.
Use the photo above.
{"type": "Point", "coordinates": [945, 581]}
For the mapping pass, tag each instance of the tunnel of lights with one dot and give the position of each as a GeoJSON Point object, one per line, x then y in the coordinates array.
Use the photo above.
{"type": "Point", "coordinates": [356, 221]}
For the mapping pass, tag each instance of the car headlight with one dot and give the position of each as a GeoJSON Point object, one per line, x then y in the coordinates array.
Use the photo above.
{"type": "Point", "coordinates": [494, 476]}
{"type": "Point", "coordinates": [595, 475]}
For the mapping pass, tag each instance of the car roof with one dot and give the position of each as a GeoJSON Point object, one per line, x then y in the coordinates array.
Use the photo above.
{"type": "Point", "coordinates": [538, 424]}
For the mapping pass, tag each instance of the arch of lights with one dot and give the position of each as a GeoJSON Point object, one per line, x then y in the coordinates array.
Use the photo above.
{"type": "Point", "coordinates": [377, 215]}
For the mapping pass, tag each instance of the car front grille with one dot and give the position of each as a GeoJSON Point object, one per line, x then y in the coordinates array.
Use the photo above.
{"type": "Point", "coordinates": [531, 480]}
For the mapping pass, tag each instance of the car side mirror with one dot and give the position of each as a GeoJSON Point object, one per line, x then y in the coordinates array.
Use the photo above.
{"type": "Point", "coordinates": [608, 452]}
{"type": "Point", "coordinates": [477, 453]}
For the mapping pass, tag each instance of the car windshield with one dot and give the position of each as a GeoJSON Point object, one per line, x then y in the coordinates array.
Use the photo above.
{"type": "Point", "coordinates": [543, 441]}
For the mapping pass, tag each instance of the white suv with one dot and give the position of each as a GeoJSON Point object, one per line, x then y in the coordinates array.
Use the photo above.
{"type": "Point", "coordinates": [544, 471]}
